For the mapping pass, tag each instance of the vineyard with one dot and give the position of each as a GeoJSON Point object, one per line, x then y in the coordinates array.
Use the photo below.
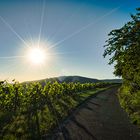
{"type": "Point", "coordinates": [29, 111]}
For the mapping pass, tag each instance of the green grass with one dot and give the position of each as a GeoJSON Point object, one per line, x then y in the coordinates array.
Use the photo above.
{"type": "Point", "coordinates": [88, 94]}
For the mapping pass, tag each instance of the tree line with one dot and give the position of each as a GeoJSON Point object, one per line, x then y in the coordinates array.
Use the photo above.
{"type": "Point", "coordinates": [123, 47]}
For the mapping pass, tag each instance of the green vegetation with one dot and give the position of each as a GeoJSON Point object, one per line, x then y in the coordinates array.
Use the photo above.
{"type": "Point", "coordinates": [124, 48]}
{"type": "Point", "coordinates": [29, 111]}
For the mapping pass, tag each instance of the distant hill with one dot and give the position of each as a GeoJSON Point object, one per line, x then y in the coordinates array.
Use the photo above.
{"type": "Point", "coordinates": [112, 80]}
{"type": "Point", "coordinates": [75, 79]}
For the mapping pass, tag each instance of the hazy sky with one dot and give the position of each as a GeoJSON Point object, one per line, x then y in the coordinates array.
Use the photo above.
{"type": "Point", "coordinates": [77, 30]}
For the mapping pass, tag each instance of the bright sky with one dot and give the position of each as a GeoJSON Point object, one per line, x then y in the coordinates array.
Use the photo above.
{"type": "Point", "coordinates": [70, 32]}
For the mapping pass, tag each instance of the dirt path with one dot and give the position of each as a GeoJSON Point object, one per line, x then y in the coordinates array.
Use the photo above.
{"type": "Point", "coordinates": [100, 118]}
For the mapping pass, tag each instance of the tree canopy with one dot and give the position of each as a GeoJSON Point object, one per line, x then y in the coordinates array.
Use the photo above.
{"type": "Point", "coordinates": [123, 47]}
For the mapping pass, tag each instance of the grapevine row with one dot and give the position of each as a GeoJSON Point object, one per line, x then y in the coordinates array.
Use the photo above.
{"type": "Point", "coordinates": [28, 111]}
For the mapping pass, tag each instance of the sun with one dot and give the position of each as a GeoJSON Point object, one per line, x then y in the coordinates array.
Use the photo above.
{"type": "Point", "coordinates": [37, 55]}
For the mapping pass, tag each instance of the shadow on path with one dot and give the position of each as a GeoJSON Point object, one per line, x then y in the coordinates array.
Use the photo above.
{"type": "Point", "coordinates": [84, 128]}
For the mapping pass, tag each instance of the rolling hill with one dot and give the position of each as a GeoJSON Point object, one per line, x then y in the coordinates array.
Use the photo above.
{"type": "Point", "coordinates": [75, 79]}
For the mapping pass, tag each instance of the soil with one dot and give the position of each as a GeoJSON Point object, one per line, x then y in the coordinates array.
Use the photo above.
{"type": "Point", "coordinates": [99, 118]}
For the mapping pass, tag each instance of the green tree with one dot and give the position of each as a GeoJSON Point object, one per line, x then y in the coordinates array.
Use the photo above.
{"type": "Point", "coordinates": [123, 47]}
